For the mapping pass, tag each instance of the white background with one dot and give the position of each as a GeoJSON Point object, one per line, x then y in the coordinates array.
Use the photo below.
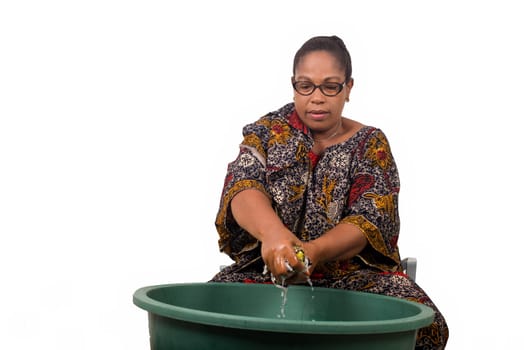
{"type": "Point", "coordinates": [118, 119]}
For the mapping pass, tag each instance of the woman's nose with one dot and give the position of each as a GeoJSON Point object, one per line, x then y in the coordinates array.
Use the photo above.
{"type": "Point", "coordinates": [317, 96]}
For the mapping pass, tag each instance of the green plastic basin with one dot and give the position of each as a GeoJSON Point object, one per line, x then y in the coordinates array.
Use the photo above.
{"type": "Point", "coordinates": [253, 316]}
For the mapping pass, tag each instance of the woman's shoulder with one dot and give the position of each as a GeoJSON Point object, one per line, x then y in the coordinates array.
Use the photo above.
{"type": "Point", "coordinates": [363, 131]}
{"type": "Point", "coordinates": [284, 111]}
{"type": "Point", "coordinates": [355, 130]}
{"type": "Point", "coordinates": [269, 121]}
{"type": "Point", "coordinates": [372, 140]}
{"type": "Point", "coordinates": [361, 137]}
{"type": "Point", "coordinates": [281, 114]}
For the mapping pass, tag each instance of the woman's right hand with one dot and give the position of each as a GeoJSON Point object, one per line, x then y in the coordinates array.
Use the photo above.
{"type": "Point", "coordinates": [278, 253]}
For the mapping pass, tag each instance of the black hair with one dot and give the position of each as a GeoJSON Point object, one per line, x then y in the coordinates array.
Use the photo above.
{"type": "Point", "coordinates": [332, 44]}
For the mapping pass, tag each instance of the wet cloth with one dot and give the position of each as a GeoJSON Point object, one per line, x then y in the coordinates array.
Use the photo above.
{"type": "Point", "coordinates": [354, 182]}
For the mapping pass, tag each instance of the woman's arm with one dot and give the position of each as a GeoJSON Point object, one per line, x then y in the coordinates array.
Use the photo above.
{"type": "Point", "coordinates": [253, 212]}
{"type": "Point", "coordinates": [343, 241]}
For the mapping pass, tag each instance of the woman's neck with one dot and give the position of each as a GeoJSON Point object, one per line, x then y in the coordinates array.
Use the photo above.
{"type": "Point", "coordinates": [321, 138]}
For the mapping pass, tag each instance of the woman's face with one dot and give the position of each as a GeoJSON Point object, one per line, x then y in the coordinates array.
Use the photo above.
{"type": "Point", "coordinates": [317, 111]}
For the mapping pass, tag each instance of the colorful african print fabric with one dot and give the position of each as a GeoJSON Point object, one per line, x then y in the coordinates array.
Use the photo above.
{"type": "Point", "coordinates": [353, 182]}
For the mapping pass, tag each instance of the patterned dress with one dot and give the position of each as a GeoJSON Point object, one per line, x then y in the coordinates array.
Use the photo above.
{"type": "Point", "coordinates": [355, 182]}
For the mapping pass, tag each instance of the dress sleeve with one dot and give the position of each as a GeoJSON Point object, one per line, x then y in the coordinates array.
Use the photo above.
{"type": "Point", "coordinates": [247, 171]}
{"type": "Point", "coordinates": [373, 201]}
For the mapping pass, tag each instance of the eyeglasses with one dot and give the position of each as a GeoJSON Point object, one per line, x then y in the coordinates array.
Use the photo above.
{"type": "Point", "coordinates": [306, 88]}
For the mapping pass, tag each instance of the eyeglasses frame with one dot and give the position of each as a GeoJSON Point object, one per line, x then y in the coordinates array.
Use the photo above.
{"type": "Point", "coordinates": [340, 85]}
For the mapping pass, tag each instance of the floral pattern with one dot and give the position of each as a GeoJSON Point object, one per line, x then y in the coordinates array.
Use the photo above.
{"type": "Point", "coordinates": [354, 182]}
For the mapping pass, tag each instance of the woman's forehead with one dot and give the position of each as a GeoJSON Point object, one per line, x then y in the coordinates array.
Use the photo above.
{"type": "Point", "coordinates": [319, 64]}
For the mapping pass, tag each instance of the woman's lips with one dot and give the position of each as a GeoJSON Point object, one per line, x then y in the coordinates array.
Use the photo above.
{"type": "Point", "coordinates": [317, 114]}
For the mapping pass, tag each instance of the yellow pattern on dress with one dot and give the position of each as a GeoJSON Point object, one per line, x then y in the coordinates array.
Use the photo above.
{"type": "Point", "coordinates": [280, 133]}
{"type": "Point", "coordinates": [298, 192]}
{"type": "Point", "coordinates": [327, 191]}
{"type": "Point", "coordinates": [384, 203]}
{"type": "Point", "coordinates": [253, 140]}
{"type": "Point", "coordinates": [379, 151]}
{"type": "Point", "coordinates": [375, 239]}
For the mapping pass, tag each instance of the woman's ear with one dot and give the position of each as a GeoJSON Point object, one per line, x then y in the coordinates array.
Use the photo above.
{"type": "Point", "coordinates": [349, 86]}
{"type": "Point", "coordinates": [350, 83]}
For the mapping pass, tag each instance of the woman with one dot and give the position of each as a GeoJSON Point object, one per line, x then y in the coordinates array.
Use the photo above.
{"type": "Point", "coordinates": [309, 181]}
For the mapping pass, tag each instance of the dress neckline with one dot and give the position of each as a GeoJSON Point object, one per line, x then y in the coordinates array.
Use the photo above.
{"type": "Point", "coordinates": [342, 143]}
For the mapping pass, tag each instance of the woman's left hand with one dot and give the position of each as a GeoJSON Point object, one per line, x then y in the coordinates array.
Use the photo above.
{"type": "Point", "coordinates": [304, 253]}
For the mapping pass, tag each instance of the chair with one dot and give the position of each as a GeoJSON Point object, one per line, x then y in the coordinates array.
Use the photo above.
{"type": "Point", "coordinates": [409, 265]}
